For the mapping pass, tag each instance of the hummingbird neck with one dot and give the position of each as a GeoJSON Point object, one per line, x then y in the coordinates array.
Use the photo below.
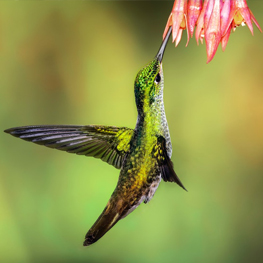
{"type": "Point", "coordinates": [151, 116]}
{"type": "Point", "coordinates": [151, 120]}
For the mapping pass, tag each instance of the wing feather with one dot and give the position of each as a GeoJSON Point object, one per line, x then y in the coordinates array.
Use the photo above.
{"type": "Point", "coordinates": [165, 164]}
{"type": "Point", "coordinates": [109, 143]}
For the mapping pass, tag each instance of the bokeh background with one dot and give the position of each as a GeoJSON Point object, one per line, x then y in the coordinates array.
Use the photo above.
{"type": "Point", "coordinates": [74, 62]}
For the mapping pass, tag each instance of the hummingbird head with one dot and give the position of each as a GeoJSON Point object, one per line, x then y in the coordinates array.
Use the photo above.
{"type": "Point", "coordinates": [148, 85]}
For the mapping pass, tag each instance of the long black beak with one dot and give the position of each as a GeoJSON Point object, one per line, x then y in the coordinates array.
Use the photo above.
{"type": "Point", "coordinates": [160, 53]}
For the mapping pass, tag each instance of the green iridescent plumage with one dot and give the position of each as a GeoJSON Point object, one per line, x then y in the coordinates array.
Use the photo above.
{"type": "Point", "coordinates": [142, 154]}
{"type": "Point", "coordinates": [108, 143]}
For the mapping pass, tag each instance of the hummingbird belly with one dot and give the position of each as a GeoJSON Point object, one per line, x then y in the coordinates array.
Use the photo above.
{"type": "Point", "coordinates": [147, 196]}
{"type": "Point", "coordinates": [152, 189]}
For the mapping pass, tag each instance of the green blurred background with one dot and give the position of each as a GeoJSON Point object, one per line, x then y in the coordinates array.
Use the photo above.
{"type": "Point", "coordinates": [74, 63]}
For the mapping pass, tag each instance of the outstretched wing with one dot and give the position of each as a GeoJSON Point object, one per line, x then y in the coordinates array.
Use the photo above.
{"type": "Point", "coordinates": [108, 143]}
{"type": "Point", "coordinates": [165, 163]}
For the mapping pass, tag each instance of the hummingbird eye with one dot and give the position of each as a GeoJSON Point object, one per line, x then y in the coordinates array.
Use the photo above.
{"type": "Point", "coordinates": [157, 78]}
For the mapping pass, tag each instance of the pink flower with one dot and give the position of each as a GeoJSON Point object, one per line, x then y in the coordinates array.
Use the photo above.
{"type": "Point", "coordinates": [178, 21]}
{"type": "Point", "coordinates": [225, 11]}
{"type": "Point", "coordinates": [213, 19]}
{"type": "Point", "coordinates": [212, 28]}
{"type": "Point", "coordinates": [238, 14]}
{"type": "Point", "coordinates": [199, 32]}
{"type": "Point", "coordinates": [193, 11]}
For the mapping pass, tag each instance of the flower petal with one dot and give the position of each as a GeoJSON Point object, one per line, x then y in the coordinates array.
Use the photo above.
{"type": "Point", "coordinates": [193, 12]}
{"type": "Point", "coordinates": [225, 38]}
{"type": "Point", "coordinates": [208, 13]}
{"type": "Point", "coordinates": [186, 23]}
{"type": "Point", "coordinates": [255, 21]}
{"type": "Point", "coordinates": [225, 12]}
{"type": "Point", "coordinates": [200, 23]}
{"type": "Point", "coordinates": [177, 16]}
{"type": "Point", "coordinates": [246, 15]}
{"type": "Point", "coordinates": [168, 24]}
{"type": "Point", "coordinates": [230, 17]}
{"type": "Point", "coordinates": [213, 30]}
{"type": "Point", "coordinates": [178, 37]}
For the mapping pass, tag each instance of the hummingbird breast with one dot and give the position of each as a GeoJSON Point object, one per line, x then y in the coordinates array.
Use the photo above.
{"type": "Point", "coordinates": [140, 174]}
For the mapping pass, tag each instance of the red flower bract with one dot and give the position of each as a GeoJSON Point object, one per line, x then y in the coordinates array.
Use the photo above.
{"type": "Point", "coordinates": [213, 19]}
{"type": "Point", "coordinates": [178, 21]}
{"type": "Point", "coordinates": [239, 14]}
{"type": "Point", "coordinates": [193, 12]}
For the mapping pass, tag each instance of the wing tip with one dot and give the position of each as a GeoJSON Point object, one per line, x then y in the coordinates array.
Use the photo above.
{"type": "Point", "coordinates": [174, 178]}
{"type": "Point", "coordinates": [182, 186]}
{"type": "Point", "coordinates": [7, 131]}
{"type": "Point", "coordinates": [16, 131]}
{"type": "Point", "coordinates": [178, 181]}
{"type": "Point", "coordinates": [10, 131]}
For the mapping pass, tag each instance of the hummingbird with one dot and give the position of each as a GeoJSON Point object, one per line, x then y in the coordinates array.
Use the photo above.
{"type": "Point", "coordinates": [143, 154]}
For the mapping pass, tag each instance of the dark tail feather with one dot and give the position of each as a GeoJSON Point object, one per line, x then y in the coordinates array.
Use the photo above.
{"type": "Point", "coordinates": [108, 218]}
